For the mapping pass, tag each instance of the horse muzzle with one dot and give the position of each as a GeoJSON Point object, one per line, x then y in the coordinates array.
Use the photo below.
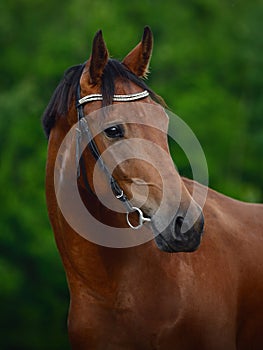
{"type": "Point", "coordinates": [179, 236]}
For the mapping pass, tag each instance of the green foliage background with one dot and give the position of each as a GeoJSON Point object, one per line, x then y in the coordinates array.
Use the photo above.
{"type": "Point", "coordinates": [207, 64]}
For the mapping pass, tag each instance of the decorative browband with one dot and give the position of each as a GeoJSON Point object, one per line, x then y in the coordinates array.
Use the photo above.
{"type": "Point", "coordinates": [116, 98]}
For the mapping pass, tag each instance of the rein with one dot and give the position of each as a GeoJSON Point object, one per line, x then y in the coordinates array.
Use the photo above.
{"type": "Point", "coordinates": [84, 130]}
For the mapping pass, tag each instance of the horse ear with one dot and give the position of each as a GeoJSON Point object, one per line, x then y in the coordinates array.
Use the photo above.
{"type": "Point", "coordinates": [98, 60]}
{"type": "Point", "coordinates": [138, 59]}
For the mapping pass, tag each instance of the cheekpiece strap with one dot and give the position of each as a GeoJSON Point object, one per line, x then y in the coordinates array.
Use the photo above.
{"type": "Point", "coordinates": [116, 98]}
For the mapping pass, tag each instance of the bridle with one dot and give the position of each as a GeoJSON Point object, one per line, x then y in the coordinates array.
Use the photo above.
{"type": "Point", "coordinates": [83, 130]}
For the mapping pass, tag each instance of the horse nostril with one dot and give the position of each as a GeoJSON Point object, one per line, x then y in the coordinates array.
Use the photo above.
{"type": "Point", "coordinates": [178, 223]}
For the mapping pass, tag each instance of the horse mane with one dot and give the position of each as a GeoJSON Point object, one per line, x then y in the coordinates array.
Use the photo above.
{"type": "Point", "coordinates": [64, 93]}
{"type": "Point", "coordinates": [62, 98]}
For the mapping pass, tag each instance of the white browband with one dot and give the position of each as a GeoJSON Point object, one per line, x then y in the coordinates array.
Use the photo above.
{"type": "Point", "coordinates": [116, 98]}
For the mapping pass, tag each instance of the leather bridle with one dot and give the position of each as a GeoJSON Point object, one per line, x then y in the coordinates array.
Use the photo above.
{"type": "Point", "coordinates": [83, 130]}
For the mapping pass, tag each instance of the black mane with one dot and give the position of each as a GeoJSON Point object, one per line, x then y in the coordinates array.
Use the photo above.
{"type": "Point", "coordinates": [62, 97]}
{"type": "Point", "coordinates": [64, 93]}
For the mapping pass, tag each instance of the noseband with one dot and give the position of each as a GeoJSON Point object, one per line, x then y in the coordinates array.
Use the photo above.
{"type": "Point", "coordinates": [84, 130]}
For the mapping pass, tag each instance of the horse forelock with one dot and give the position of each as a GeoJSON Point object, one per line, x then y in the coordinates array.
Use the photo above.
{"type": "Point", "coordinates": [115, 69]}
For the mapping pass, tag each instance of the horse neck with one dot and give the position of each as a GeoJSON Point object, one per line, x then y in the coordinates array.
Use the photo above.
{"type": "Point", "coordinates": [82, 259]}
{"type": "Point", "coordinates": [92, 267]}
{"type": "Point", "coordinates": [101, 272]}
{"type": "Point", "coordinates": [95, 267]}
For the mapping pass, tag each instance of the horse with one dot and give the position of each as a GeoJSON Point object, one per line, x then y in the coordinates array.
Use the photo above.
{"type": "Point", "coordinates": [189, 276]}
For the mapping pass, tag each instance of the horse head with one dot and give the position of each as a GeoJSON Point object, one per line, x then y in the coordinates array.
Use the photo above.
{"type": "Point", "coordinates": [126, 125]}
{"type": "Point", "coordinates": [133, 135]}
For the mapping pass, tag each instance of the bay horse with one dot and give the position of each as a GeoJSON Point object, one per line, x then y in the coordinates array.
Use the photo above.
{"type": "Point", "coordinates": [167, 292]}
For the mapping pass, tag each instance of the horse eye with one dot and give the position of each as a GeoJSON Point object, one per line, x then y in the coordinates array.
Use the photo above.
{"type": "Point", "coordinates": [114, 131]}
